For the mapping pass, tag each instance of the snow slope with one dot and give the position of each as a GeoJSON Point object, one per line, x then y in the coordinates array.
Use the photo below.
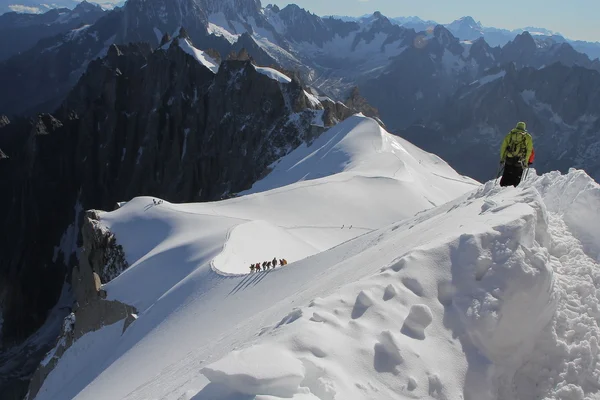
{"type": "Point", "coordinates": [405, 280]}
{"type": "Point", "coordinates": [273, 74]}
{"type": "Point", "coordinates": [186, 45]}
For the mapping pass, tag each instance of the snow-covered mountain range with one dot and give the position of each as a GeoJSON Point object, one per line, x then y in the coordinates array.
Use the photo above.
{"type": "Point", "coordinates": [37, 7]}
{"type": "Point", "coordinates": [468, 29]}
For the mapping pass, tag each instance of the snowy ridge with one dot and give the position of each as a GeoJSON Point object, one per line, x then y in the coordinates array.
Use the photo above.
{"type": "Point", "coordinates": [491, 295]}
{"type": "Point", "coordinates": [186, 45]}
{"type": "Point", "coordinates": [199, 55]}
{"type": "Point", "coordinates": [273, 74]}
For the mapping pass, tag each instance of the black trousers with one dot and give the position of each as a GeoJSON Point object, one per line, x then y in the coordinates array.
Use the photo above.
{"type": "Point", "coordinates": [512, 175]}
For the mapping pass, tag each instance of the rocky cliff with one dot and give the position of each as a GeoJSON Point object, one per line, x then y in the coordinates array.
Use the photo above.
{"type": "Point", "coordinates": [100, 255]}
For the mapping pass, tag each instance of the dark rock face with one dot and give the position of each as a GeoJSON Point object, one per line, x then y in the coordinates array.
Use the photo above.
{"type": "Point", "coordinates": [560, 104]}
{"type": "Point", "coordinates": [92, 311]}
{"type": "Point", "coordinates": [137, 123]}
{"type": "Point", "coordinates": [20, 32]}
{"type": "Point", "coordinates": [419, 79]}
{"type": "Point", "coordinates": [38, 79]}
{"type": "Point", "coordinates": [356, 102]}
{"type": "Point", "coordinates": [429, 72]}
{"type": "Point", "coordinates": [247, 43]}
{"type": "Point", "coordinates": [525, 51]}
{"type": "Point", "coordinates": [303, 26]}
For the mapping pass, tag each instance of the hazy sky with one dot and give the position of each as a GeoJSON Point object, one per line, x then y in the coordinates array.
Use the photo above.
{"type": "Point", "coordinates": [576, 19]}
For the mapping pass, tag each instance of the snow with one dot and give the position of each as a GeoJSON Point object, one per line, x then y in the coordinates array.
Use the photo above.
{"type": "Point", "coordinates": [273, 74]}
{"type": "Point", "coordinates": [452, 62]}
{"type": "Point", "coordinates": [219, 19]}
{"type": "Point", "coordinates": [199, 55]}
{"type": "Point", "coordinates": [77, 32]}
{"type": "Point", "coordinates": [313, 100]}
{"type": "Point", "coordinates": [158, 33]}
{"type": "Point", "coordinates": [253, 371]}
{"type": "Point", "coordinates": [406, 280]}
{"type": "Point", "coordinates": [92, 348]}
{"type": "Point", "coordinates": [368, 56]}
{"type": "Point", "coordinates": [318, 118]}
{"type": "Point", "coordinates": [220, 31]}
{"type": "Point", "coordinates": [490, 78]}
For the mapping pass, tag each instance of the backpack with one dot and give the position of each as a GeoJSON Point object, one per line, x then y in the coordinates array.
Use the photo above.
{"type": "Point", "coordinates": [516, 150]}
{"type": "Point", "coordinates": [532, 158]}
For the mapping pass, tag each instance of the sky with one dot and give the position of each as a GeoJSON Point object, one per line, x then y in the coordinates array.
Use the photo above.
{"type": "Point", "coordinates": [575, 19]}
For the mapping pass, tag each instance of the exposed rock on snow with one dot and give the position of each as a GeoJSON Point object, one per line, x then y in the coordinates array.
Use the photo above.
{"type": "Point", "coordinates": [92, 313]}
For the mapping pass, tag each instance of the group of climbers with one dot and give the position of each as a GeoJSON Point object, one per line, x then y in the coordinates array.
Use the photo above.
{"type": "Point", "coordinates": [267, 265]}
{"type": "Point", "coordinates": [516, 155]}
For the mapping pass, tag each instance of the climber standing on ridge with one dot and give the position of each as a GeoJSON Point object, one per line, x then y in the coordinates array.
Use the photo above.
{"type": "Point", "coordinates": [515, 154]}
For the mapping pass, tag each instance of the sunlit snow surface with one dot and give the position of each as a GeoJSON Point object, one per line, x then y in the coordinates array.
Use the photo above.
{"type": "Point", "coordinates": [405, 280]}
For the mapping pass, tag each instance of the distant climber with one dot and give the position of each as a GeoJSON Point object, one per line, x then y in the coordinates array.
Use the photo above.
{"type": "Point", "coordinates": [515, 154]}
{"type": "Point", "coordinates": [274, 262]}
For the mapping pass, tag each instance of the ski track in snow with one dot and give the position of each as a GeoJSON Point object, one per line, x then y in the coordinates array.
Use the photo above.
{"type": "Point", "coordinates": [491, 296]}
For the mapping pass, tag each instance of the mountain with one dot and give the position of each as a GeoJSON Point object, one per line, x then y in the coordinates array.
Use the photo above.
{"type": "Point", "coordinates": [415, 23]}
{"type": "Point", "coordinates": [20, 32]}
{"type": "Point", "coordinates": [524, 50]}
{"type": "Point", "coordinates": [331, 55]}
{"type": "Point", "coordinates": [168, 122]}
{"type": "Point", "coordinates": [479, 297]}
{"type": "Point", "coordinates": [420, 80]}
{"type": "Point", "coordinates": [466, 28]}
{"type": "Point", "coordinates": [34, 7]}
{"type": "Point", "coordinates": [563, 120]}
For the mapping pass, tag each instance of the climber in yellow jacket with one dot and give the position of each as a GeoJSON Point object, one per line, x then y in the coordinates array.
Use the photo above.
{"type": "Point", "coordinates": [515, 154]}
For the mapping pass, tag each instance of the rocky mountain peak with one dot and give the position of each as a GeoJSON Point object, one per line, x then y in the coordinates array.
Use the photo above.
{"type": "Point", "coordinates": [444, 36]}
{"type": "Point", "coordinates": [243, 7]}
{"type": "Point", "coordinates": [87, 7]}
{"type": "Point", "coordinates": [446, 40]}
{"type": "Point", "coordinates": [524, 41]}
{"type": "Point", "coordinates": [380, 21]}
{"type": "Point", "coordinates": [468, 21]}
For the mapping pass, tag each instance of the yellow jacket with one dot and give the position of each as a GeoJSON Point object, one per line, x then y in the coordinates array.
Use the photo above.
{"type": "Point", "coordinates": [517, 144]}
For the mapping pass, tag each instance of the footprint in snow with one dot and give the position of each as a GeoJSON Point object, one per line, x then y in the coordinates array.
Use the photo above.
{"type": "Point", "coordinates": [413, 285]}
{"type": "Point", "coordinates": [291, 317]}
{"type": "Point", "coordinates": [418, 319]}
{"type": "Point", "coordinates": [363, 302]}
{"type": "Point", "coordinates": [390, 292]}
{"type": "Point", "coordinates": [387, 353]}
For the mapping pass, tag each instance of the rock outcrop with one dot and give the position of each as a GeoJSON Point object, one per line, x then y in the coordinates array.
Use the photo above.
{"type": "Point", "coordinates": [91, 311]}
